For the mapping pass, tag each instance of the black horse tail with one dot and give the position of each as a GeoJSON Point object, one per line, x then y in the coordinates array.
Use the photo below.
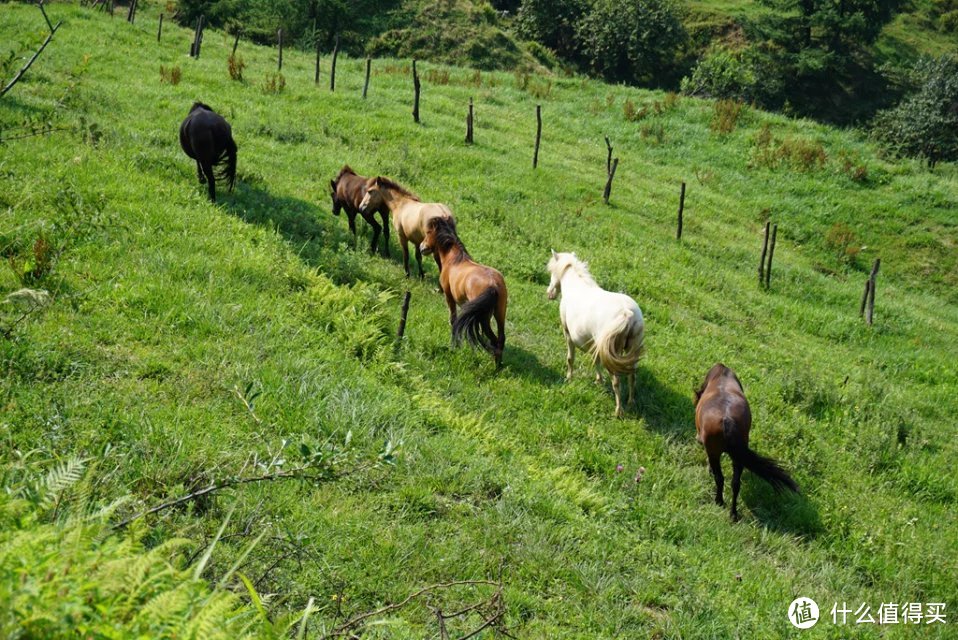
{"type": "Point", "coordinates": [226, 164]}
{"type": "Point", "coordinates": [475, 315]}
{"type": "Point", "coordinates": [765, 468]}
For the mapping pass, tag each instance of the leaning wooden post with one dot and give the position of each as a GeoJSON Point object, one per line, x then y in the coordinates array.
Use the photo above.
{"type": "Point", "coordinates": [416, 87]}
{"type": "Point", "coordinates": [868, 286]}
{"type": "Point", "coordinates": [608, 183]}
{"type": "Point", "coordinates": [318, 55]}
{"type": "Point", "coordinates": [870, 290]}
{"type": "Point", "coordinates": [332, 70]}
{"type": "Point", "coordinates": [761, 264]}
{"type": "Point", "coordinates": [771, 252]}
{"type": "Point", "coordinates": [535, 154]}
{"type": "Point", "coordinates": [678, 229]}
{"type": "Point", "coordinates": [369, 66]}
{"type": "Point", "coordinates": [159, 30]}
{"type": "Point", "coordinates": [608, 158]}
{"type": "Point", "coordinates": [131, 13]}
{"type": "Point", "coordinates": [469, 124]}
{"type": "Point", "coordinates": [199, 36]}
{"type": "Point", "coordinates": [45, 16]}
{"type": "Point", "coordinates": [235, 44]}
{"type": "Point", "coordinates": [279, 38]}
{"type": "Point", "coordinates": [403, 313]}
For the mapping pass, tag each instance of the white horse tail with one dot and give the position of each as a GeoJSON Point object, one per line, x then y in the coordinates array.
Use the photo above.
{"type": "Point", "coordinates": [620, 344]}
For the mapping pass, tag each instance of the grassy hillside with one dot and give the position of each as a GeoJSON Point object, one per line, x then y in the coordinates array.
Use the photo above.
{"type": "Point", "coordinates": [168, 311]}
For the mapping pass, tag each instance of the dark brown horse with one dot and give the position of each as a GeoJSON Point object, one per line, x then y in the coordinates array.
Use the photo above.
{"type": "Point", "coordinates": [722, 422]}
{"type": "Point", "coordinates": [207, 138]}
{"type": "Point", "coordinates": [480, 290]}
{"type": "Point", "coordinates": [347, 191]}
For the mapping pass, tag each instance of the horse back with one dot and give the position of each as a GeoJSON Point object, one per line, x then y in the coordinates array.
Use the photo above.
{"type": "Point", "coordinates": [350, 191]}
{"type": "Point", "coordinates": [411, 219]}
{"type": "Point", "coordinates": [205, 135]}
{"type": "Point", "coordinates": [722, 398]}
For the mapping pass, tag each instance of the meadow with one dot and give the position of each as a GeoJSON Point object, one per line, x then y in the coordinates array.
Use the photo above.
{"type": "Point", "coordinates": [187, 342]}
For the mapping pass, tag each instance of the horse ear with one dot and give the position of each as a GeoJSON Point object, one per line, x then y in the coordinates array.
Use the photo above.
{"type": "Point", "coordinates": [553, 252]}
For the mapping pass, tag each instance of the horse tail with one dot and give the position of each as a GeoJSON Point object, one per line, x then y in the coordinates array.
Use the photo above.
{"type": "Point", "coordinates": [617, 348]}
{"type": "Point", "coordinates": [226, 163]}
{"type": "Point", "coordinates": [765, 468]}
{"type": "Point", "coordinates": [473, 316]}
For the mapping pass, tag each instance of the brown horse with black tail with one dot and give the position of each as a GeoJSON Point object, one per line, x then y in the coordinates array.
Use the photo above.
{"type": "Point", "coordinates": [722, 423]}
{"type": "Point", "coordinates": [481, 290]}
{"type": "Point", "coordinates": [347, 190]}
{"type": "Point", "coordinates": [206, 137]}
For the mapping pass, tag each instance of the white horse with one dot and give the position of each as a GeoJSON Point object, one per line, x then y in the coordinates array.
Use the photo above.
{"type": "Point", "coordinates": [607, 325]}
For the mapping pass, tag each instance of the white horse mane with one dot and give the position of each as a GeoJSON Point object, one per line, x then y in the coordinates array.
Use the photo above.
{"type": "Point", "coordinates": [563, 261]}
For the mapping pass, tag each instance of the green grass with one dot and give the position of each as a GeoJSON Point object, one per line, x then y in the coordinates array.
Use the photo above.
{"type": "Point", "coordinates": [164, 303]}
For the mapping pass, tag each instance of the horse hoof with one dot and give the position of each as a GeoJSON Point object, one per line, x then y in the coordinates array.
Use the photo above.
{"type": "Point", "coordinates": [735, 516]}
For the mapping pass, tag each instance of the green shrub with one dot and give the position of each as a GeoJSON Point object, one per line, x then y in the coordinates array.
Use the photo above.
{"type": "Point", "coordinates": [746, 75]}
{"type": "Point", "coordinates": [725, 115]}
{"type": "Point", "coordinates": [925, 123]}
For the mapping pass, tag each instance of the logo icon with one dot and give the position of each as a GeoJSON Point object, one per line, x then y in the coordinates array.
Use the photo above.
{"type": "Point", "coordinates": [803, 613]}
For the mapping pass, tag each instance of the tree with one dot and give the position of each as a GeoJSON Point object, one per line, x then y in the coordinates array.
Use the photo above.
{"type": "Point", "coordinates": [551, 23]}
{"type": "Point", "coordinates": [925, 123]}
{"type": "Point", "coordinates": [634, 41]}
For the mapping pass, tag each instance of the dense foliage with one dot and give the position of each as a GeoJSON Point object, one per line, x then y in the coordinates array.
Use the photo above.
{"type": "Point", "coordinates": [925, 123]}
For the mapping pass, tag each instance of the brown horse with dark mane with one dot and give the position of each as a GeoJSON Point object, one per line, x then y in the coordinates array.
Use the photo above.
{"type": "Point", "coordinates": [722, 423]}
{"type": "Point", "coordinates": [348, 190]}
{"type": "Point", "coordinates": [481, 290]}
{"type": "Point", "coordinates": [207, 138]}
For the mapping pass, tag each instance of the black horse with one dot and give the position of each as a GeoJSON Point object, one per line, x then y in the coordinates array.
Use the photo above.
{"type": "Point", "coordinates": [207, 138]}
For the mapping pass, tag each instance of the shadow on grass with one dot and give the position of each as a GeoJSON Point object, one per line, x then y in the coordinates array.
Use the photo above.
{"type": "Point", "coordinates": [523, 363]}
{"type": "Point", "coordinates": [785, 512]}
{"type": "Point", "coordinates": [663, 409]}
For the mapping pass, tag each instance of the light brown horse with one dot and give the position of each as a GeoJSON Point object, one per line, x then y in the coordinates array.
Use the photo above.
{"type": "Point", "coordinates": [410, 215]}
{"type": "Point", "coordinates": [722, 423]}
{"type": "Point", "coordinates": [347, 190]}
{"type": "Point", "coordinates": [480, 290]}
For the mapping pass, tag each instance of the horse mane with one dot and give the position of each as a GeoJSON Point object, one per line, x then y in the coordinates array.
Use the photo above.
{"type": "Point", "coordinates": [580, 267]}
{"type": "Point", "coordinates": [395, 186]}
{"type": "Point", "coordinates": [200, 105]}
{"type": "Point", "coordinates": [719, 369]}
{"type": "Point", "coordinates": [345, 171]}
{"type": "Point", "coordinates": [446, 236]}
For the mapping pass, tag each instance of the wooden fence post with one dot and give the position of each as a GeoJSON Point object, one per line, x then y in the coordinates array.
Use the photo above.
{"type": "Point", "coordinates": [771, 252]}
{"type": "Point", "coordinates": [535, 154]}
{"type": "Point", "coordinates": [403, 313]}
{"type": "Point", "coordinates": [608, 184]}
{"type": "Point", "coordinates": [131, 13]}
{"type": "Point", "coordinates": [279, 37]}
{"type": "Point", "coordinates": [369, 65]}
{"type": "Point", "coordinates": [870, 291]}
{"type": "Point", "coordinates": [608, 158]}
{"type": "Point", "coordinates": [316, 75]}
{"type": "Point", "coordinates": [235, 44]}
{"type": "Point", "coordinates": [678, 229]}
{"type": "Point", "coordinates": [416, 87]}
{"type": "Point", "coordinates": [761, 264]}
{"type": "Point", "coordinates": [159, 30]}
{"type": "Point", "coordinates": [332, 70]}
{"type": "Point", "coordinates": [469, 123]}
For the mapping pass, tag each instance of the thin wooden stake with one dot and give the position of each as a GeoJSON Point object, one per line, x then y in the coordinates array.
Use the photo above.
{"type": "Point", "coordinates": [404, 312]}
{"type": "Point", "coordinates": [608, 159]}
{"type": "Point", "coordinates": [199, 36]}
{"type": "Point", "coordinates": [131, 14]}
{"type": "Point", "coordinates": [159, 30]}
{"type": "Point", "coordinates": [45, 17]}
{"type": "Point", "coordinates": [771, 252]}
{"type": "Point", "coordinates": [761, 264]}
{"type": "Point", "coordinates": [369, 66]}
{"type": "Point", "coordinates": [678, 229]}
{"type": "Point", "coordinates": [535, 154]}
{"type": "Point", "coordinates": [868, 286]}
{"type": "Point", "coordinates": [608, 184]}
{"type": "Point", "coordinates": [332, 70]}
{"type": "Point", "coordinates": [872, 281]}
{"type": "Point", "coordinates": [416, 87]}
{"type": "Point", "coordinates": [469, 124]}
{"type": "Point", "coordinates": [318, 55]}
{"type": "Point", "coordinates": [279, 37]}
{"type": "Point", "coordinates": [235, 44]}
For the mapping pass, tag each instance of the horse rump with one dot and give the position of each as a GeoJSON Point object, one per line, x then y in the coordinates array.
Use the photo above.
{"type": "Point", "coordinates": [225, 164]}
{"type": "Point", "coordinates": [474, 318]}
{"type": "Point", "coordinates": [616, 348]}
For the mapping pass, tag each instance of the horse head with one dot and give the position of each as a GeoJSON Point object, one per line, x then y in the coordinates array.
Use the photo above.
{"type": "Point", "coordinates": [373, 193]}
{"type": "Point", "coordinates": [200, 105]}
{"type": "Point", "coordinates": [557, 266]}
{"type": "Point", "coordinates": [441, 235]}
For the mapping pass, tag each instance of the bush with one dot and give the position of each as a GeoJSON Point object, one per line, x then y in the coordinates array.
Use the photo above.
{"type": "Point", "coordinates": [725, 115]}
{"type": "Point", "coordinates": [274, 83]}
{"type": "Point", "coordinates": [631, 41]}
{"type": "Point", "coordinates": [746, 75]}
{"type": "Point", "coordinates": [925, 123]}
{"type": "Point", "coordinates": [236, 66]}
{"type": "Point", "coordinates": [170, 75]}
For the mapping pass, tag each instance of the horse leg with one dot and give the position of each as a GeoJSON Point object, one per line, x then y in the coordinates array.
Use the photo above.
{"type": "Point", "coordinates": [451, 303]}
{"type": "Point", "coordinates": [199, 173]}
{"type": "Point", "coordinates": [598, 372]}
{"type": "Point", "coordinates": [351, 218]}
{"type": "Point", "coordinates": [570, 353]}
{"type": "Point", "coordinates": [385, 217]}
{"type": "Point", "coordinates": [376, 230]}
{"type": "Point", "coordinates": [632, 388]}
{"type": "Point", "coordinates": [422, 274]}
{"type": "Point", "coordinates": [736, 485]}
{"type": "Point", "coordinates": [618, 396]}
{"type": "Point", "coordinates": [501, 342]}
{"type": "Point", "coordinates": [210, 181]}
{"type": "Point", "coordinates": [715, 463]}
{"type": "Point", "coordinates": [404, 245]}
